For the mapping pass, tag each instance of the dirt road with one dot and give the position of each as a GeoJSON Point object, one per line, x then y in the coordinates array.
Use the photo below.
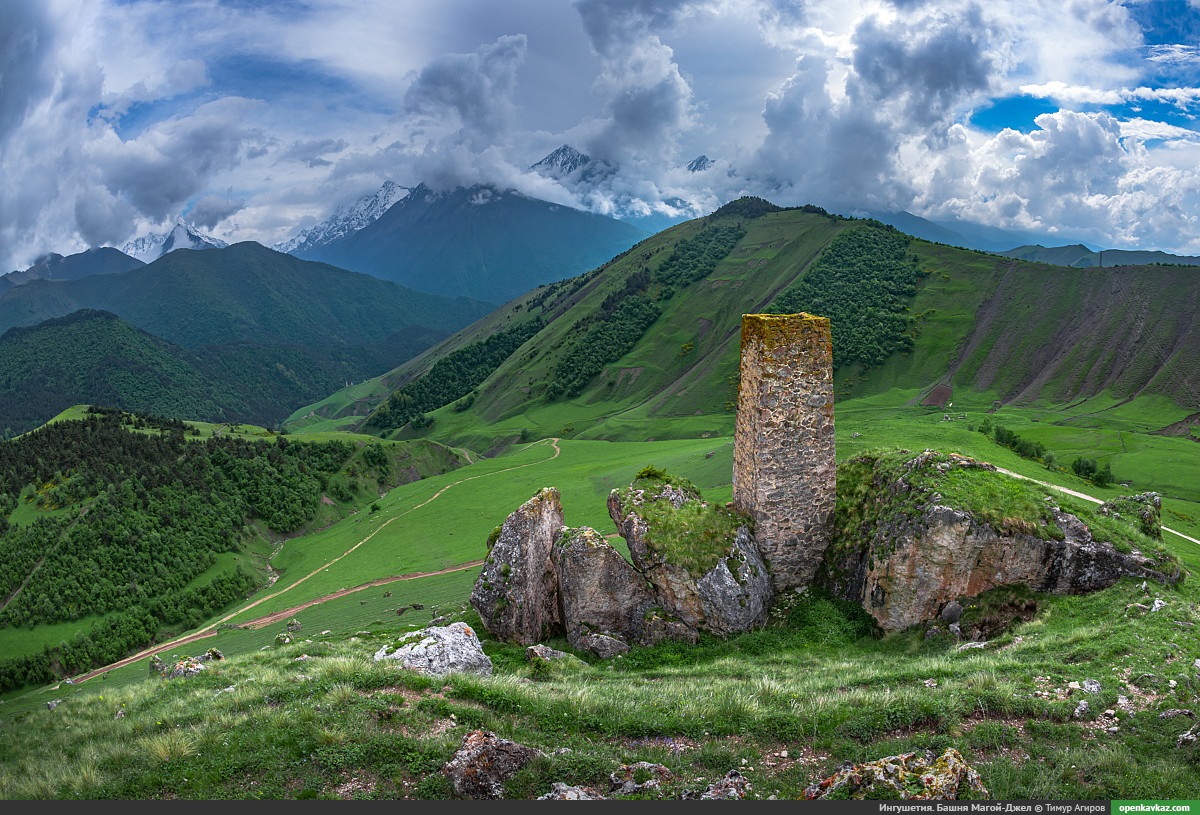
{"type": "Point", "coordinates": [211, 629]}
{"type": "Point", "coordinates": [1086, 497]}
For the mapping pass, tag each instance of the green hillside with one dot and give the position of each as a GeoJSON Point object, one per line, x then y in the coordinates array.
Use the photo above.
{"type": "Point", "coordinates": [244, 293]}
{"type": "Point", "coordinates": [119, 529]}
{"type": "Point", "coordinates": [634, 350]}
{"type": "Point", "coordinates": [785, 706]}
{"type": "Point", "coordinates": [95, 356]}
{"type": "Point", "coordinates": [242, 334]}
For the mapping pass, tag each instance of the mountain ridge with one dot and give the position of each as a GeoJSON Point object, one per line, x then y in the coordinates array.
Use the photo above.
{"type": "Point", "coordinates": [478, 241]}
{"type": "Point", "coordinates": [102, 260]}
{"type": "Point", "coordinates": [274, 330]}
{"type": "Point", "coordinates": [1018, 331]}
{"type": "Point", "coordinates": [345, 219]}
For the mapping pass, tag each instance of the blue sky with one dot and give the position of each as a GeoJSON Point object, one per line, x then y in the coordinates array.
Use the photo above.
{"type": "Point", "coordinates": [255, 119]}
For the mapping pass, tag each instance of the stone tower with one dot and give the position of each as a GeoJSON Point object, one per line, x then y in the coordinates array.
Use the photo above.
{"type": "Point", "coordinates": [783, 453]}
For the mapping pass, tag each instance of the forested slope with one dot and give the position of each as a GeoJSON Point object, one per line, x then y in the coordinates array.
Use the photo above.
{"type": "Point", "coordinates": [137, 524]}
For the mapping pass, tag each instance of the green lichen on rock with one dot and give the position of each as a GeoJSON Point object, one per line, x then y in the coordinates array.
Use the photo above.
{"type": "Point", "coordinates": [682, 528]}
{"type": "Point", "coordinates": [907, 776]}
{"type": "Point", "coordinates": [890, 488]}
{"type": "Point", "coordinates": [770, 331]}
{"type": "Point", "coordinates": [885, 485]}
{"type": "Point", "coordinates": [1144, 510]}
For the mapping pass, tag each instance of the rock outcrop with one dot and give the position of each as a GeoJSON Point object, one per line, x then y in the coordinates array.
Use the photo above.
{"type": "Point", "coordinates": [439, 650]}
{"type": "Point", "coordinates": [701, 560]}
{"type": "Point", "coordinates": [187, 666]}
{"type": "Point", "coordinates": [516, 593]}
{"type": "Point", "coordinates": [600, 592]}
{"type": "Point", "coordinates": [695, 567]}
{"type": "Point", "coordinates": [907, 552]}
{"type": "Point", "coordinates": [483, 763]}
{"type": "Point", "coordinates": [1145, 507]}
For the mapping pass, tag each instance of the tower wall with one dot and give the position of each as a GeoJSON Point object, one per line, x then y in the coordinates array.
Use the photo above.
{"type": "Point", "coordinates": [783, 449]}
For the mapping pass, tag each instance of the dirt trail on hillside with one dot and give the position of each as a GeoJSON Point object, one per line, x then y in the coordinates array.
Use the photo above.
{"type": "Point", "coordinates": [210, 630]}
{"type": "Point", "coordinates": [1086, 497]}
{"type": "Point", "coordinates": [270, 618]}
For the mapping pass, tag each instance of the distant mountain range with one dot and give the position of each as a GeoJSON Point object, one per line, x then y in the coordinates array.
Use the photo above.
{"type": "Point", "coordinates": [104, 260]}
{"type": "Point", "coordinates": [647, 346]}
{"type": "Point", "coordinates": [960, 233]}
{"type": "Point", "coordinates": [1081, 256]}
{"type": "Point", "coordinates": [478, 242]}
{"type": "Point", "coordinates": [1031, 246]}
{"type": "Point", "coordinates": [267, 328]}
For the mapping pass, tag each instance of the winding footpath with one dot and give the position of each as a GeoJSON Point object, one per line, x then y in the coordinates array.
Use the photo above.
{"type": "Point", "coordinates": [1085, 497]}
{"type": "Point", "coordinates": [210, 629]}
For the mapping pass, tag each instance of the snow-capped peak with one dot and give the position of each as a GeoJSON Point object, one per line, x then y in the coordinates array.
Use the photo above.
{"type": "Point", "coordinates": [183, 236]}
{"type": "Point", "coordinates": [563, 161]}
{"type": "Point", "coordinates": [346, 218]}
{"type": "Point", "coordinates": [699, 164]}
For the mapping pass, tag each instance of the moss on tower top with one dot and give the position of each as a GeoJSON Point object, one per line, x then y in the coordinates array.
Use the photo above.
{"type": "Point", "coordinates": [770, 331]}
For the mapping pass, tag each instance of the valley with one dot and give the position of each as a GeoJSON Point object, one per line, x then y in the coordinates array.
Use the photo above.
{"type": "Point", "coordinates": [580, 384]}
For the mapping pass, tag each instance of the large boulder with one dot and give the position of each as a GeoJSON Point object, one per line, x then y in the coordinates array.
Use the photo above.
{"type": "Point", "coordinates": [906, 551]}
{"type": "Point", "coordinates": [439, 650]}
{"type": "Point", "coordinates": [516, 593]}
{"type": "Point", "coordinates": [736, 594]}
{"type": "Point", "coordinates": [701, 560]}
{"type": "Point", "coordinates": [600, 592]}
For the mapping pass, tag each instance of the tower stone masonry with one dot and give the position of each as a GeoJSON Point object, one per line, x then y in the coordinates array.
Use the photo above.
{"type": "Point", "coordinates": [784, 473]}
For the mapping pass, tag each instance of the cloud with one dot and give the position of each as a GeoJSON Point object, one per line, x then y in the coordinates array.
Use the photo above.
{"type": "Point", "coordinates": [311, 152]}
{"type": "Point", "coordinates": [101, 217]}
{"type": "Point", "coordinates": [26, 43]}
{"type": "Point", "coordinates": [473, 91]}
{"type": "Point", "coordinates": [1074, 172]}
{"type": "Point", "coordinates": [116, 117]}
{"type": "Point", "coordinates": [928, 65]}
{"type": "Point", "coordinates": [1175, 53]}
{"type": "Point", "coordinates": [838, 128]}
{"type": "Point", "coordinates": [175, 160]}
{"type": "Point", "coordinates": [1084, 95]}
{"type": "Point", "coordinates": [211, 209]}
{"type": "Point", "coordinates": [647, 99]}
{"type": "Point", "coordinates": [459, 113]}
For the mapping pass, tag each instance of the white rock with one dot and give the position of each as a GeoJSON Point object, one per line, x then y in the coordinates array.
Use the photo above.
{"type": "Point", "coordinates": [437, 651]}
